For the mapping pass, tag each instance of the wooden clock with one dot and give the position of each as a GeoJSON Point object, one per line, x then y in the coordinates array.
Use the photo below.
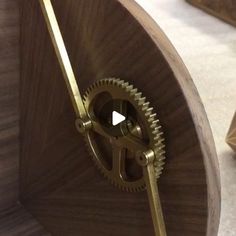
{"type": "Point", "coordinates": [66, 168]}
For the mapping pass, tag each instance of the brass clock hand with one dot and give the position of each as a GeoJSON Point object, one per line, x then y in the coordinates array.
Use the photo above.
{"type": "Point", "coordinates": [146, 159]}
{"type": "Point", "coordinates": [63, 59]}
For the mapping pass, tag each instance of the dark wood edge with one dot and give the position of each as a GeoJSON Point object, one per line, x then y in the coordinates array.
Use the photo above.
{"type": "Point", "coordinates": [200, 120]}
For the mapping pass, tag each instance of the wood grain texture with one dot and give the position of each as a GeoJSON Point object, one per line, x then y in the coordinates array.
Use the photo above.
{"type": "Point", "coordinates": [9, 99]}
{"type": "Point", "coordinates": [16, 221]}
{"type": "Point", "coordinates": [224, 9]}
{"type": "Point", "coordinates": [59, 184]}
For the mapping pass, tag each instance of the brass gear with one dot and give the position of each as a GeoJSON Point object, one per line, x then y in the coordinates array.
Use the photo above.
{"type": "Point", "coordinates": [141, 122]}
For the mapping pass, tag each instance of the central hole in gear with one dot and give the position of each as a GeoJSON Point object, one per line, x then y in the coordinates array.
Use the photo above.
{"type": "Point", "coordinates": [105, 118]}
{"type": "Point", "coordinates": [101, 109]}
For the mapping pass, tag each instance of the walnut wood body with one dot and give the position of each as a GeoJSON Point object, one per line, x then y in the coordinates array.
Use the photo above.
{"type": "Point", "coordinates": [224, 9]}
{"type": "Point", "coordinates": [14, 219]}
{"type": "Point", "coordinates": [9, 102]}
{"type": "Point", "coordinates": [59, 184]}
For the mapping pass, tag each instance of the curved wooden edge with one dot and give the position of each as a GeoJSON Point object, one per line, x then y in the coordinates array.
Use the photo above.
{"type": "Point", "coordinates": [42, 205]}
{"type": "Point", "coordinates": [197, 110]}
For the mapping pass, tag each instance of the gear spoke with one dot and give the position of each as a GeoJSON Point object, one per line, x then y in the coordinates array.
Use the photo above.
{"type": "Point", "coordinates": [139, 133]}
{"type": "Point", "coordinates": [131, 143]}
{"type": "Point", "coordinates": [99, 130]}
{"type": "Point", "coordinates": [127, 141]}
{"type": "Point", "coordinates": [118, 161]}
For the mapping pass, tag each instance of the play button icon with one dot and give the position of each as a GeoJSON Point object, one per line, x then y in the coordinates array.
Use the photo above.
{"type": "Point", "coordinates": [113, 116]}
{"type": "Point", "coordinates": [117, 118]}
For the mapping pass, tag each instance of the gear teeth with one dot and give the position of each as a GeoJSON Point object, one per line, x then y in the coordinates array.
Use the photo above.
{"type": "Point", "coordinates": [157, 138]}
{"type": "Point", "coordinates": [159, 146]}
{"type": "Point", "coordinates": [161, 158]}
{"type": "Point", "coordinates": [106, 82]}
{"type": "Point", "coordinates": [101, 82]}
{"type": "Point", "coordinates": [153, 116]}
{"type": "Point", "coordinates": [152, 123]}
{"type": "Point", "coordinates": [145, 106]}
{"type": "Point", "coordinates": [156, 121]}
{"type": "Point", "coordinates": [155, 132]}
{"type": "Point", "coordinates": [137, 96]}
{"type": "Point", "coordinates": [141, 101]}
{"type": "Point", "coordinates": [134, 91]}
{"type": "Point", "coordinates": [160, 140]}
{"type": "Point", "coordinates": [160, 164]}
{"type": "Point", "coordinates": [129, 88]}
{"type": "Point", "coordinates": [121, 82]}
{"type": "Point", "coordinates": [125, 85]}
{"type": "Point", "coordinates": [158, 133]}
{"type": "Point", "coordinates": [149, 112]}
{"type": "Point", "coordinates": [111, 82]}
{"type": "Point", "coordinates": [151, 119]}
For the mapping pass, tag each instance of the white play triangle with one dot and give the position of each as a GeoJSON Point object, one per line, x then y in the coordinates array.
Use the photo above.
{"type": "Point", "coordinates": [117, 118]}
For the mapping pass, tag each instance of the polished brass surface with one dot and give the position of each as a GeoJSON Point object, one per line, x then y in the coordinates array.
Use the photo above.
{"type": "Point", "coordinates": [139, 140]}
{"type": "Point", "coordinates": [136, 145]}
{"type": "Point", "coordinates": [83, 126]}
{"type": "Point", "coordinates": [146, 159]}
{"type": "Point", "coordinates": [63, 58]}
{"type": "Point", "coordinates": [140, 132]}
{"type": "Point", "coordinates": [154, 199]}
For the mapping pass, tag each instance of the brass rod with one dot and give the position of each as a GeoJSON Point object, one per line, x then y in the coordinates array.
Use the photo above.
{"type": "Point", "coordinates": [154, 200]}
{"type": "Point", "coordinates": [63, 58]}
{"type": "Point", "coordinates": [80, 110]}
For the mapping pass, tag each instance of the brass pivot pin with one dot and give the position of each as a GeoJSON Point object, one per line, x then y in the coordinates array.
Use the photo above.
{"type": "Point", "coordinates": [140, 131]}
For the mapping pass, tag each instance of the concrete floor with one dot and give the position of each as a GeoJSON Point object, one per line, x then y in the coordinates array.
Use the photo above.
{"type": "Point", "coordinates": [208, 48]}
